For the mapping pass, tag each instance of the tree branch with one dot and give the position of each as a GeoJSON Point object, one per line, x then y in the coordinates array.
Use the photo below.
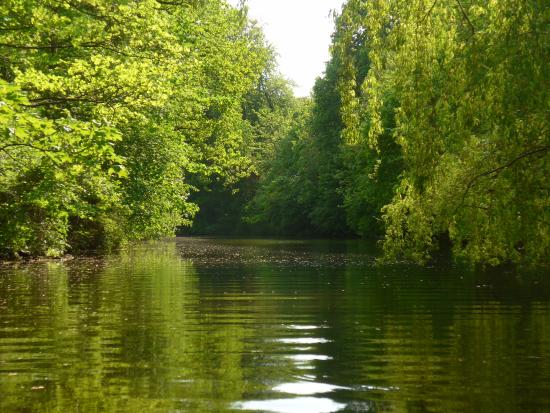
{"type": "Point", "coordinates": [9, 29]}
{"type": "Point", "coordinates": [466, 17]}
{"type": "Point", "coordinates": [35, 47]}
{"type": "Point", "coordinates": [53, 101]}
{"type": "Point", "coordinates": [28, 145]}
{"type": "Point", "coordinates": [83, 45]}
{"type": "Point", "coordinates": [510, 163]}
{"type": "Point", "coordinates": [428, 12]}
{"type": "Point", "coordinates": [499, 169]}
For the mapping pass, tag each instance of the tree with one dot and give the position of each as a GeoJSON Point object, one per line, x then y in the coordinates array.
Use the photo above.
{"type": "Point", "coordinates": [54, 174]}
{"type": "Point", "coordinates": [167, 79]}
{"type": "Point", "coordinates": [472, 123]}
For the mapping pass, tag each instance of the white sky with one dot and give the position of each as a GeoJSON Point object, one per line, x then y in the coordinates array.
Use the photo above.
{"type": "Point", "coordinates": [300, 32]}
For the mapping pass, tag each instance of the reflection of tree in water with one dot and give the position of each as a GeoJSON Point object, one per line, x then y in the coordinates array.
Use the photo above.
{"type": "Point", "coordinates": [123, 334]}
{"type": "Point", "coordinates": [426, 340]}
{"type": "Point", "coordinates": [149, 330]}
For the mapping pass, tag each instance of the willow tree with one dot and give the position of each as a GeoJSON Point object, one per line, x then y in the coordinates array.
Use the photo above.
{"type": "Point", "coordinates": [371, 166]}
{"type": "Point", "coordinates": [472, 84]}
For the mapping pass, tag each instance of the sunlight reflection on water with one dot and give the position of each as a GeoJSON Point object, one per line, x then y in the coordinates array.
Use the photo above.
{"type": "Point", "coordinates": [304, 327]}
{"type": "Point", "coordinates": [308, 357]}
{"type": "Point", "coordinates": [303, 340]}
{"type": "Point", "coordinates": [306, 388]}
{"type": "Point", "coordinates": [294, 405]}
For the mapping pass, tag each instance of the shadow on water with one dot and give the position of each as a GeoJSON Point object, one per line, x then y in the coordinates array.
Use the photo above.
{"type": "Point", "coordinates": [220, 325]}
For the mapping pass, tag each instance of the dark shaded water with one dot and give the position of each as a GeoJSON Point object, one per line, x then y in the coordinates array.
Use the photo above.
{"type": "Point", "coordinates": [195, 325]}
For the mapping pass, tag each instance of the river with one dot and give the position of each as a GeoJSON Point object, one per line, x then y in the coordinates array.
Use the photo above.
{"type": "Point", "coordinates": [228, 325]}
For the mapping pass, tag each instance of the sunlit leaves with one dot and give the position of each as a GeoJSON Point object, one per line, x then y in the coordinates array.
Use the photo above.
{"type": "Point", "coordinates": [445, 134]}
{"type": "Point", "coordinates": [47, 170]}
{"type": "Point", "coordinates": [472, 123]}
{"type": "Point", "coordinates": [120, 102]}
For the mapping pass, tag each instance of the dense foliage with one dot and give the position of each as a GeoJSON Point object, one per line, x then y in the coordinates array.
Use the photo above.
{"type": "Point", "coordinates": [108, 110]}
{"type": "Point", "coordinates": [325, 179]}
{"type": "Point", "coordinates": [122, 120]}
{"type": "Point", "coordinates": [268, 113]}
{"type": "Point", "coordinates": [431, 123]}
{"type": "Point", "coordinates": [473, 87]}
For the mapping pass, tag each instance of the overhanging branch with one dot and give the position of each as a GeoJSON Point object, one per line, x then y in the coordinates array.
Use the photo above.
{"type": "Point", "coordinates": [497, 170]}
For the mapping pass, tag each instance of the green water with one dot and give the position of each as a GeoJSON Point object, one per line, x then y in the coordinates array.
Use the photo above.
{"type": "Point", "coordinates": [196, 325]}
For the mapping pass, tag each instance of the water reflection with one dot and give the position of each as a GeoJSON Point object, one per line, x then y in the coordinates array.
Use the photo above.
{"type": "Point", "coordinates": [294, 405]}
{"type": "Point", "coordinates": [305, 388]}
{"type": "Point", "coordinates": [303, 340]}
{"type": "Point", "coordinates": [173, 326]}
{"type": "Point", "coordinates": [302, 358]}
{"type": "Point", "coordinates": [302, 327]}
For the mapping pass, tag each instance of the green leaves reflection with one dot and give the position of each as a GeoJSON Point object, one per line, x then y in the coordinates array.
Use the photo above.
{"type": "Point", "coordinates": [94, 346]}
{"type": "Point", "coordinates": [156, 329]}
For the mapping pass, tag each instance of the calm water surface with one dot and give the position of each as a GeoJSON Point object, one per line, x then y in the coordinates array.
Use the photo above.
{"type": "Point", "coordinates": [198, 325]}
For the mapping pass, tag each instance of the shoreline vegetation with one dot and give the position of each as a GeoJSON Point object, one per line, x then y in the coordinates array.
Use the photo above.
{"type": "Point", "coordinates": [131, 120]}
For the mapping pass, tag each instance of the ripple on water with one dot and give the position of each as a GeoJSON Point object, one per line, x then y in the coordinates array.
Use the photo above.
{"type": "Point", "coordinates": [294, 405]}
{"type": "Point", "coordinates": [308, 357]}
{"type": "Point", "coordinates": [304, 327]}
{"type": "Point", "coordinates": [306, 388]}
{"type": "Point", "coordinates": [303, 340]}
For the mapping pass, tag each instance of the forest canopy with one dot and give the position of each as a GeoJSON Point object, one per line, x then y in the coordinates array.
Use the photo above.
{"type": "Point", "coordinates": [128, 119]}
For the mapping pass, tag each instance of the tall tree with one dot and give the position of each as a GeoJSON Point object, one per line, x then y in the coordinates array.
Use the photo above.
{"type": "Point", "coordinates": [160, 83]}
{"type": "Point", "coordinates": [472, 88]}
